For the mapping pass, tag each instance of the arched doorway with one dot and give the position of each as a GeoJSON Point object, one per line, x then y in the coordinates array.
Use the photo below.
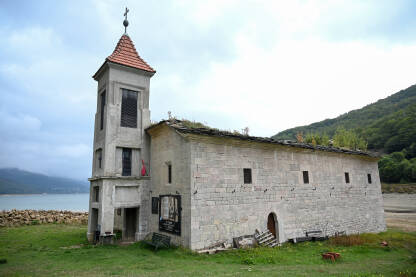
{"type": "Point", "coordinates": [272, 225]}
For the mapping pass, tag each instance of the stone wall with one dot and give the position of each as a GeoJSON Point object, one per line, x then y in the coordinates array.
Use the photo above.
{"type": "Point", "coordinates": [168, 147]}
{"type": "Point", "coordinates": [32, 217]}
{"type": "Point", "coordinates": [223, 207]}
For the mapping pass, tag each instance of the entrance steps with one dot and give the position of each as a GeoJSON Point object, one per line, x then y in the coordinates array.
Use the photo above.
{"type": "Point", "coordinates": [266, 238]}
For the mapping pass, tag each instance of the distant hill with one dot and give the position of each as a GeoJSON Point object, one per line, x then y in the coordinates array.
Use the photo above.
{"type": "Point", "coordinates": [16, 181]}
{"type": "Point", "coordinates": [388, 125]}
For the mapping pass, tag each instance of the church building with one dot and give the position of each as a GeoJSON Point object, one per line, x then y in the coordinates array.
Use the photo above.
{"type": "Point", "coordinates": [201, 186]}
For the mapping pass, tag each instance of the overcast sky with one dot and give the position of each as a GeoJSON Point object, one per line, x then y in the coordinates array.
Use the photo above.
{"type": "Point", "coordinates": [268, 65]}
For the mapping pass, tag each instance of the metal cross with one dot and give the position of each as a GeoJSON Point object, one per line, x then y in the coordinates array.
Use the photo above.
{"type": "Point", "coordinates": [125, 22]}
{"type": "Point", "coordinates": [125, 14]}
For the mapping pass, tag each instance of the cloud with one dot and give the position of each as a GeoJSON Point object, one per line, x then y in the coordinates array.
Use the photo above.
{"type": "Point", "coordinates": [269, 65]}
{"type": "Point", "coordinates": [298, 82]}
{"type": "Point", "coordinates": [18, 123]}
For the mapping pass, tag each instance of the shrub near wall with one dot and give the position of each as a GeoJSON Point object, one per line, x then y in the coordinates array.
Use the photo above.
{"type": "Point", "coordinates": [33, 217]}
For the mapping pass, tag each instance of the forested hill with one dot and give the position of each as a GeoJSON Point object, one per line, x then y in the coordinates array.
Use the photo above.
{"type": "Point", "coordinates": [16, 181]}
{"type": "Point", "coordinates": [388, 124]}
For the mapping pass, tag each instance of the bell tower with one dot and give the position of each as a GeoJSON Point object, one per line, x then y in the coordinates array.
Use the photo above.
{"type": "Point", "coordinates": [119, 198]}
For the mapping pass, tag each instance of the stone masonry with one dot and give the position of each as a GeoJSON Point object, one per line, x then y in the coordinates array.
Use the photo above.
{"type": "Point", "coordinates": [224, 207]}
{"type": "Point", "coordinates": [209, 172]}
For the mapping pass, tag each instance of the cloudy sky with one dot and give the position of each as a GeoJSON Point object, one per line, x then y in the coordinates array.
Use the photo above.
{"type": "Point", "coordinates": [268, 65]}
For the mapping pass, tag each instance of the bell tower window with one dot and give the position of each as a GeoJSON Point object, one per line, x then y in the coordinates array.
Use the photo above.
{"type": "Point", "coordinates": [102, 100]}
{"type": "Point", "coordinates": [126, 162]}
{"type": "Point", "coordinates": [129, 108]}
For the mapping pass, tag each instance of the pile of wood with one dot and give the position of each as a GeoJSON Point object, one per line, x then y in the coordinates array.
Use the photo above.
{"type": "Point", "coordinates": [34, 217]}
{"type": "Point", "coordinates": [266, 238]}
{"type": "Point", "coordinates": [215, 248]}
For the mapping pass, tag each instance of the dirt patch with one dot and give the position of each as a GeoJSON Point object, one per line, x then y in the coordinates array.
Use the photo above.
{"type": "Point", "coordinates": [402, 221]}
{"type": "Point", "coordinates": [400, 211]}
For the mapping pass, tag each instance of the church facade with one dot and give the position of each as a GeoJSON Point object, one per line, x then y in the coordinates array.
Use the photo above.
{"type": "Point", "coordinates": [202, 186]}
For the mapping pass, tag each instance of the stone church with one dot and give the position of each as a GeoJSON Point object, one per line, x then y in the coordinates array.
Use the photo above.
{"type": "Point", "coordinates": [201, 186]}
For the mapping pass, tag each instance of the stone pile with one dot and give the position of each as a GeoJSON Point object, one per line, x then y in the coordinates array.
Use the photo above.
{"type": "Point", "coordinates": [34, 217]}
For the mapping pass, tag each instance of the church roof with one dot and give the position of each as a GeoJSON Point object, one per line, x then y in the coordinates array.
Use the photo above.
{"type": "Point", "coordinates": [126, 54]}
{"type": "Point", "coordinates": [184, 127]}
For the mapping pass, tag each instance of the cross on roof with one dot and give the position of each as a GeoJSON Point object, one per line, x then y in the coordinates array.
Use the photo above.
{"type": "Point", "coordinates": [125, 22]}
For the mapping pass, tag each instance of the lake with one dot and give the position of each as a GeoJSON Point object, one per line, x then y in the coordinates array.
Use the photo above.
{"type": "Point", "coordinates": [71, 202]}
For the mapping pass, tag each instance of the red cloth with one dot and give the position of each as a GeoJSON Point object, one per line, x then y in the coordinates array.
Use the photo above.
{"type": "Point", "coordinates": [144, 173]}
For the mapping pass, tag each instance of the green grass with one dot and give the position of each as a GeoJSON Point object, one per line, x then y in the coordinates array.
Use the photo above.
{"type": "Point", "coordinates": [41, 250]}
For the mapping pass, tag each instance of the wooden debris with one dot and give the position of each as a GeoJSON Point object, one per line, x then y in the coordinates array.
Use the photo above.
{"type": "Point", "coordinates": [384, 243]}
{"type": "Point", "coordinates": [331, 256]}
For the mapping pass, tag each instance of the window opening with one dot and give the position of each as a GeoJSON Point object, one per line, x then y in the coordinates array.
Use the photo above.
{"type": "Point", "coordinates": [96, 194]}
{"type": "Point", "coordinates": [99, 157]}
{"type": "Point", "coordinates": [102, 110]}
{"type": "Point", "coordinates": [129, 109]}
{"type": "Point", "coordinates": [305, 177]}
{"type": "Point", "coordinates": [369, 178]}
{"type": "Point", "coordinates": [247, 175]}
{"type": "Point", "coordinates": [126, 162]}
{"type": "Point", "coordinates": [155, 205]}
{"type": "Point", "coordinates": [347, 177]}
{"type": "Point", "coordinates": [169, 174]}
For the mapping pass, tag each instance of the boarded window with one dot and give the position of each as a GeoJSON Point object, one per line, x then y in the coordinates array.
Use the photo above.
{"type": "Point", "coordinates": [247, 175]}
{"type": "Point", "coordinates": [369, 178]}
{"type": "Point", "coordinates": [155, 205]}
{"type": "Point", "coordinates": [169, 174]}
{"type": "Point", "coordinates": [99, 154]}
{"type": "Point", "coordinates": [305, 177]}
{"type": "Point", "coordinates": [129, 109]}
{"type": "Point", "coordinates": [102, 110]}
{"type": "Point", "coordinates": [170, 214]}
{"type": "Point", "coordinates": [126, 162]}
{"type": "Point", "coordinates": [96, 194]}
{"type": "Point", "coordinates": [347, 177]}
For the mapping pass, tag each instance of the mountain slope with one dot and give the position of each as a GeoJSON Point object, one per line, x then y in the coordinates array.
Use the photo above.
{"type": "Point", "coordinates": [15, 181]}
{"type": "Point", "coordinates": [388, 124]}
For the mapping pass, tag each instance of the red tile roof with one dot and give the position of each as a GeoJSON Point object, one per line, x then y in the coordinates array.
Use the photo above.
{"type": "Point", "coordinates": [125, 53]}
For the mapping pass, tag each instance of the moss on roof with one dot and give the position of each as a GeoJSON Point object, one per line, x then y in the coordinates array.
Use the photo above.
{"type": "Point", "coordinates": [186, 126]}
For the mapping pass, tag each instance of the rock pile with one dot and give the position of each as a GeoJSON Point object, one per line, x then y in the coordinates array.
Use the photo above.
{"type": "Point", "coordinates": [34, 217]}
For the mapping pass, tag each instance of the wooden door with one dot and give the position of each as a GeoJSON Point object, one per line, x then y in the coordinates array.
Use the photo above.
{"type": "Point", "coordinates": [271, 224]}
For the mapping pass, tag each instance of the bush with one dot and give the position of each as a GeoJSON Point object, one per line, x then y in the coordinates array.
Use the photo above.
{"type": "Point", "coordinates": [347, 240]}
{"type": "Point", "coordinates": [349, 139]}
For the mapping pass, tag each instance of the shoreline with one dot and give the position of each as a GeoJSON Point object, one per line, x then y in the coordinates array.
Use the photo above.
{"type": "Point", "coordinates": [23, 194]}
{"type": "Point", "coordinates": [35, 217]}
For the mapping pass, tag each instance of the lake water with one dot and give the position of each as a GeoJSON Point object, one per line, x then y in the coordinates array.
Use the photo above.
{"type": "Point", "coordinates": [69, 202]}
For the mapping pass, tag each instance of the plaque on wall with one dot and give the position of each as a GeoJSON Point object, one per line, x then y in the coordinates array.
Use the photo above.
{"type": "Point", "coordinates": [170, 214]}
{"type": "Point", "coordinates": [155, 205]}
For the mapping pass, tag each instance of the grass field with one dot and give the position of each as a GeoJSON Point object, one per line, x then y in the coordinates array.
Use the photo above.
{"type": "Point", "coordinates": [62, 250]}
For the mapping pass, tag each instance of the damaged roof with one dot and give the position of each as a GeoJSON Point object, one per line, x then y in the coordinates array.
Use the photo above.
{"type": "Point", "coordinates": [185, 126]}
